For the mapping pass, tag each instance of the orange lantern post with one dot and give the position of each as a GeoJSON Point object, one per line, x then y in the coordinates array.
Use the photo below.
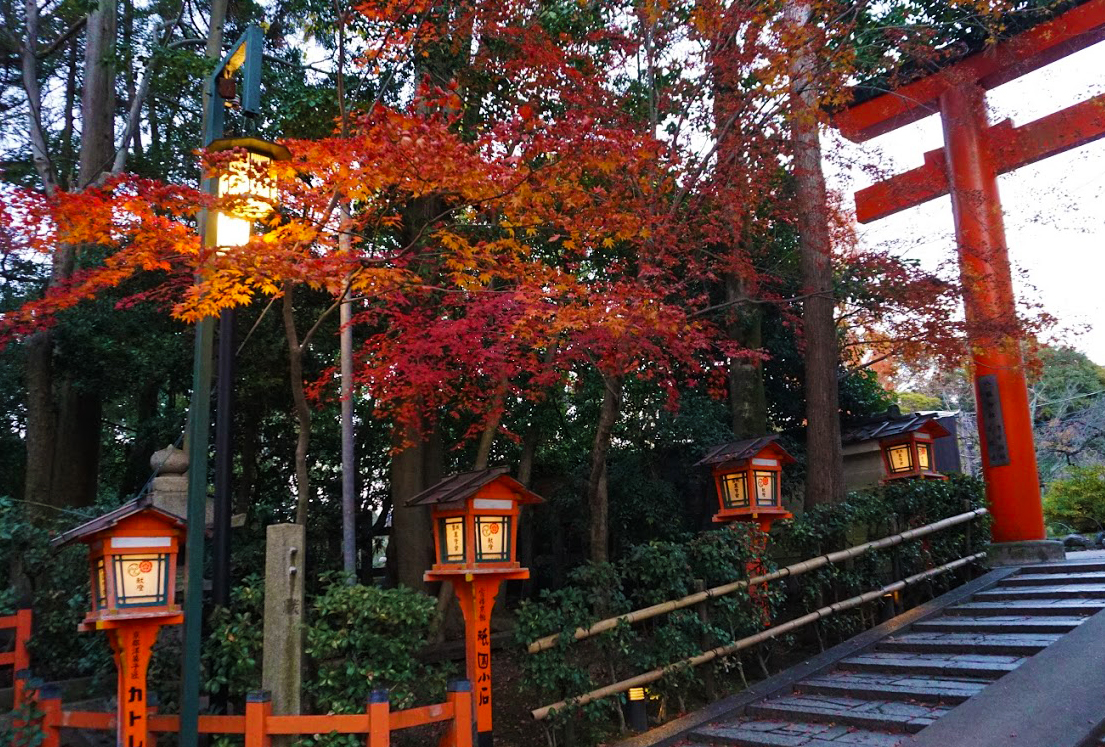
{"type": "Point", "coordinates": [475, 519]}
{"type": "Point", "coordinates": [133, 558]}
{"type": "Point", "coordinates": [747, 479]}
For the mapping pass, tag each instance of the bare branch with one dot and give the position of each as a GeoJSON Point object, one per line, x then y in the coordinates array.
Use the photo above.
{"type": "Point", "coordinates": [54, 45]}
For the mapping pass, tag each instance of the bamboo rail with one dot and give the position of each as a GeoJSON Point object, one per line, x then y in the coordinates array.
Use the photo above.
{"type": "Point", "coordinates": [796, 569]}
{"type": "Point", "coordinates": [655, 674]}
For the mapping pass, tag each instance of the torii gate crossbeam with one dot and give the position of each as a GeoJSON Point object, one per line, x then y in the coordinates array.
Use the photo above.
{"type": "Point", "coordinates": [974, 154]}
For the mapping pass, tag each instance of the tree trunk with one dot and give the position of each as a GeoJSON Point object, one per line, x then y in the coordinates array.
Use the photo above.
{"type": "Point", "coordinates": [747, 399]}
{"type": "Point", "coordinates": [410, 547]}
{"type": "Point", "coordinates": [302, 410]}
{"type": "Point", "coordinates": [63, 419]}
{"type": "Point", "coordinates": [597, 496]}
{"type": "Point", "coordinates": [98, 94]}
{"type": "Point", "coordinates": [825, 475]}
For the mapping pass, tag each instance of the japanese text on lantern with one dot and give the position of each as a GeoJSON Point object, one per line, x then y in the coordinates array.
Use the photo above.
{"type": "Point", "coordinates": [136, 696]}
{"type": "Point", "coordinates": [483, 651]}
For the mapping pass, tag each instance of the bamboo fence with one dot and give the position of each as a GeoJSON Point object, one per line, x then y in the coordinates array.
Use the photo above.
{"type": "Point", "coordinates": [796, 569]}
{"type": "Point", "coordinates": [655, 674]}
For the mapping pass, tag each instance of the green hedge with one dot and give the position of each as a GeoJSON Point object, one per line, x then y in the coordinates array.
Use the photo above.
{"type": "Point", "coordinates": [659, 571]}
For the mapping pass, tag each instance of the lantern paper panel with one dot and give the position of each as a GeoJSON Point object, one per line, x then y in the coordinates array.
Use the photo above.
{"type": "Point", "coordinates": [141, 580]}
{"type": "Point", "coordinates": [765, 488]}
{"type": "Point", "coordinates": [924, 456]}
{"type": "Point", "coordinates": [452, 539]}
{"type": "Point", "coordinates": [492, 539]}
{"type": "Point", "coordinates": [735, 490]}
{"type": "Point", "coordinates": [900, 458]}
{"type": "Point", "coordinates": [246, 175]}
{"type": "Point", "coordinates": [230, 230]}
{"type": "Point", "coordinates": [101, 584]}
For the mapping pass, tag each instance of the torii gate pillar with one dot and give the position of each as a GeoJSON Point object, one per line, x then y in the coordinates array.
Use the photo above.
{"type": "Point", "coordinates": [1001, 394]}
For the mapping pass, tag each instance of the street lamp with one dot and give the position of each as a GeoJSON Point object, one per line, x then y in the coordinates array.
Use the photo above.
{"type": "Point", "coordinates": [245, 56]}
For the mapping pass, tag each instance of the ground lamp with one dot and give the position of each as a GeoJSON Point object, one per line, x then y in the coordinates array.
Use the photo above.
{"type": "Point", "coordinates": [475, 520]}
{"type": "Point", "coordinates": [133, 558]}
{"type": "Point", "coordinates": [747, 476]}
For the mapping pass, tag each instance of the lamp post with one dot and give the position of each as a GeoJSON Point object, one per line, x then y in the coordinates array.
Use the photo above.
{"type": "Point", "coordinates": [132, 561]}
{"type": "Point", "coordinates": [245, 56]}
{"type": "Point", "coordinates": [475, 520]}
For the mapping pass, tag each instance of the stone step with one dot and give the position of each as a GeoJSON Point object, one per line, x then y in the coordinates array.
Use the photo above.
{"type": "Point", "coordinates": [1077, 566]}
{"type": "Point", "coordinates": [1058, 591]}
{"type": "Point", "coordinates": [944, 691]}
{"type": "Point", "coordinates": [999, 624]}
{"type": "Point", "coordinates": [1014, 644]}
{"type": "Point", "coordinates": [1050, 579]}
{"type": "Point", "coordinates": [766, 733]}
{"type": "Point", "coordinates": [1035, 607]}
{"type": "Point", "coordinates": [946, 665]}
{"type": "Point", "coordinates": [882, 715]}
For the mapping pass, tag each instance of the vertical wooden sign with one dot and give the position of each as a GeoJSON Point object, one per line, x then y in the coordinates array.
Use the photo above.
{"type": "Point", "coordinates": [133, 644]}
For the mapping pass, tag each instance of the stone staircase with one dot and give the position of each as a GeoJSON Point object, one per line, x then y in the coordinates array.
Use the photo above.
{"type": "Point", "coordinates": [908, 680]}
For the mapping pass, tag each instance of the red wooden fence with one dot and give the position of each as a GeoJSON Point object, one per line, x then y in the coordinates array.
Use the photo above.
{"type": "Point", "coordinates": [259, 724]}
{"type": "Point", "coordinates": [18, 658]}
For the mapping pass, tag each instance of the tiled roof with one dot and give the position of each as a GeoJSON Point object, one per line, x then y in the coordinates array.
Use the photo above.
{"type": "Point", "coordinates": [112, 518]}
{"type": "Point", "coordinates": [457, 487]}
{"type": "Point", "coordinates": [886, 427]}
{"type": "Point", "coordinates": [738, 451]}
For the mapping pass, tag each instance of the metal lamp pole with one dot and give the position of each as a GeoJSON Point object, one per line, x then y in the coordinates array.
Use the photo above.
{"type": "Point", "coordinates": [244, 55]}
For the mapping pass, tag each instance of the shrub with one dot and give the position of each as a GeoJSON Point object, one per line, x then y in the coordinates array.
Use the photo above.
{"type": "Point", "coordinates": [1077, 500]}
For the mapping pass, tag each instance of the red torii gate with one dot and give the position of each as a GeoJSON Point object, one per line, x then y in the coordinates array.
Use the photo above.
{"type": "Point", "coordinates": [974, 153]}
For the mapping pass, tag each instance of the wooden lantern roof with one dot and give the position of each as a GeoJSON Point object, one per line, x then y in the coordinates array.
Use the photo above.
{"type": "Point", "coordinates": [455, 489]}
{"type": "Point", "coordinates": [737, 453]}
{"type": "Point", "coordinates": [892, 424]}
{"type": "Point", "coordinates": [113, 518]}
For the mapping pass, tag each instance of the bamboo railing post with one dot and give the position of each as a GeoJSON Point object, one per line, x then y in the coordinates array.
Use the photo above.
{"type": "Point", "coordinates": [379, 719]}
{"type": "Point", "coordinates": [258, 710]}
{"type": "Point", "coordinates": [707, 641]}
{"type": "Point", "coordinates": [461, 727]}
{"type": "Point", "coordinates": [896, 567]}
{"type": "Point", "coordinates": [49, 701]}
{"type": "Point", "coordinates": [968, 541]}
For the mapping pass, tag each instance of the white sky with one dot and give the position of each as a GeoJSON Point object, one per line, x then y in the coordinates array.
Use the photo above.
{"type": "Point", "coordinates": [1054, 209]}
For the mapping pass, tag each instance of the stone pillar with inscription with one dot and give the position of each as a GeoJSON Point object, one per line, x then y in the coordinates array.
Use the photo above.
{"type": "Point", "coordinates": [282, 661]}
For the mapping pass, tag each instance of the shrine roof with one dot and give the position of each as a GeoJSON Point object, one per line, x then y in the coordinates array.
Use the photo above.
{"type": "Point", "coordinates": [458, 487]}
{"type": "Point", "coordinates": [892, 424]}
{"type": "Point", "coordinates": [112, 518]}
{"type": "Point", "coordinates": [738, 451]}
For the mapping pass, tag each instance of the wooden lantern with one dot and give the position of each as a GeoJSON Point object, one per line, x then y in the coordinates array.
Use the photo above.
{"type": "Point", "coordinates": [133, 559]}
{"type": "Point", "coordinates": [747, 476]}
{"type": "Point", "coordinates": [910, 454]}
{"type": "Point", "coordinates": [475, 520]}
